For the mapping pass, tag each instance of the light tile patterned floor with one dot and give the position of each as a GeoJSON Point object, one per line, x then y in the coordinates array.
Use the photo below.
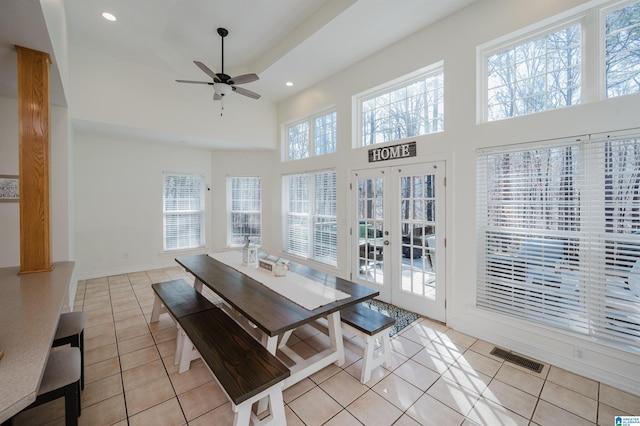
{"type": "Point", "coordinates": [438, 377]}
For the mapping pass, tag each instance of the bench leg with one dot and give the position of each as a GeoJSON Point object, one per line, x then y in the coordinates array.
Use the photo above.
{"type": "Point", "coordinates": [276, 417]}
{"type": "Point", "coordinates": [186, 354]}
{"type": "Point", "coordinates": [157, 309]}
{"type": "Point", "coordinates": [179, 345]}
{"type": "Point", "coordinates": [277, 408]}
{"type": "Point", "coordinates": [369, 361]}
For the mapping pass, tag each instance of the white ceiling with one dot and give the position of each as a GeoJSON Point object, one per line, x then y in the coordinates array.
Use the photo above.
{"type": "Point", "coordinates": [303, 41]}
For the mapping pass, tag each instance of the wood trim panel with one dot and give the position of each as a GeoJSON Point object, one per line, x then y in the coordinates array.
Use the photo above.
{"type": "Point", "coordinates": [34, 153]}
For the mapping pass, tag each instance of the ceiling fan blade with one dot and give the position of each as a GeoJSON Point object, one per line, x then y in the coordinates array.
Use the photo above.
{"type": "Point", "coordinates": [195, 82]}
{"type": "Point", "coordinates": [208, 71]}
{"type": "Point", "coordinates": [244, 78]}
{"type": "Point", "coordinates": [245, 92]}
{"type": "Point", "coordinates": [216, 97]}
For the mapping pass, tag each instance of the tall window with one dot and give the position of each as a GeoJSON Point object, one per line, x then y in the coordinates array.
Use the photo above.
{"type": "Point", "coordinates": [244, 195]}
{"type": "Point", "coordinates": [622, 49]}
{"type": "Point", "coordinates": [314, 135]}
{"type": "Point", "coordinates": [411, 107]}
{"type": "Point", "coordinates": [310, 215]}
{"type": "Point", "coordinates": [559, 235]}
{"type": "Point", "coordinates": [183, 210]}
{"type": "Point", "coordinates": [535, 75]}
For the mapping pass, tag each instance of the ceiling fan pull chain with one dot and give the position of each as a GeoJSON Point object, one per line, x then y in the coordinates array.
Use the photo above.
{"type": "Point", "coordinates": [221, 106]}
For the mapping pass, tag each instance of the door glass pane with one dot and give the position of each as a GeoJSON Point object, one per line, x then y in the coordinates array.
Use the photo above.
{"type": "Point", "coordinates": [418, 230]}
{"type": "Point", "coordinates": [370, 229]}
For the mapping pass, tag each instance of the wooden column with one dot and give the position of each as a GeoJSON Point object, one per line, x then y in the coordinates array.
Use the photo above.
{"type": "Point", "coordinates": [34, 147]}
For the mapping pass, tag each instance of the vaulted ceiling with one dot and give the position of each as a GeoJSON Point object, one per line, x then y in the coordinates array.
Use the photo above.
{"type": "Point", "coordinates": [301, 41]}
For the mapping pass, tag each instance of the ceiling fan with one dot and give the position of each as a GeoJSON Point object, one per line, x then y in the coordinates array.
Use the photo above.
{"type": "Point", "coordinates": [222, 83]}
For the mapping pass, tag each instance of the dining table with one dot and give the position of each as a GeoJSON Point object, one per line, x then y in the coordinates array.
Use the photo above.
{"type": "Point", "coordinates": [273, 307]}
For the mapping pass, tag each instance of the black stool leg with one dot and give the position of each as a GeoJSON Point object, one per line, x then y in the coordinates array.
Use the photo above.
{"type": "Point", "coordinates": [82, 359]}
{"type": "Point", "coordinates": [71, 406]}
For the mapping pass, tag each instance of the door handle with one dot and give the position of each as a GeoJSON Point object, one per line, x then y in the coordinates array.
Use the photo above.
{"type": "Point", "coordinates": [386, 242]}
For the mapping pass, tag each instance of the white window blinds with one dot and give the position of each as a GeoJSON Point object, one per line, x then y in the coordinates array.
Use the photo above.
{"type": "Point", "coordinates": [558, 235]}
{"type": "Point", "coordinates": [245, 209]}
{"type": "Point", "coordinates": [183, 210]}
{"type": "Point", "coordinates": [310, 211]}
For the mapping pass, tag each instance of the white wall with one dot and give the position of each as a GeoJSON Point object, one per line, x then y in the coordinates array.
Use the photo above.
{"type": "Point", "coordinates": [9, 212]}
{"type": "Point", "coordinates": [454, 40]}
{"type": "Point", "coordinates": [118, 201]}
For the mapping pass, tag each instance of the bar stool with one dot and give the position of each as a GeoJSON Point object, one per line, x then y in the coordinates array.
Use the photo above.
{"type": "Point", "coordinates": [70, 331]}
{"type": "Point", "coordinates": [61, 378]}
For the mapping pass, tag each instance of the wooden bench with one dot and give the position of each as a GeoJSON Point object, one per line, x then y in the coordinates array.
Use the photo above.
{"type": "Point", "coordinates": [178, 299]}
{"type": "Point", "coordinates": [245, 369]}
{"type": "Point", "coordinates": [370, 326]}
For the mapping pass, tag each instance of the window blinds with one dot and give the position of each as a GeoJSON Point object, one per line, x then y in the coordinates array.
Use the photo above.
{"type": "Point", "coordinates": [559, 235]}
{"type": "Point", "coordinates": [183, 210]}
{"type": "Point", "coordinates": [245, 195]}
{"type": "Point", "coordinates": [310, 204]}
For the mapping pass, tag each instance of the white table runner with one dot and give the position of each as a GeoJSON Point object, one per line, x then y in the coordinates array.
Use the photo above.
{"type": "Point", "coordinates": [301, 290]}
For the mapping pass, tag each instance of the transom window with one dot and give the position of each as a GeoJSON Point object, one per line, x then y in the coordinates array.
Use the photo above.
{"type": "Point", "coordinates": [310, 216]}
{"type": "Point", "coordinates": [410, 107]}
{"type": "Point", "coordinates": [314, 135]}
{"type": "Point", "coordinates": [183, 211]}
{"type": "Point", "coordinates": [559, 234]}
{"type": "Point", "coordinates": [537, 75]}
{"type": "Point", "coordinates": [244, 195]}
{"type": "Point", "coordinates": [622, 48]}
{"type": "Point", "coordinates": [544, 69]}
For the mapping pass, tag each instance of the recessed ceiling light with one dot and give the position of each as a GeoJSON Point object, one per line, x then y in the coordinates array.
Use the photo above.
{"type": "Point", "coordinates": [289, 83]}
{"type": "Point", "coordinates": [109, 16]}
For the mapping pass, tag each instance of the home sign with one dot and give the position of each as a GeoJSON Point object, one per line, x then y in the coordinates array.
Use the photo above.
{"type": "Point", "coordinates": [392, 152]}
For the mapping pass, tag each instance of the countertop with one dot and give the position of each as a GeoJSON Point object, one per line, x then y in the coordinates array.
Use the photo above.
{"type": "Point", "coordinates": [30, 305]}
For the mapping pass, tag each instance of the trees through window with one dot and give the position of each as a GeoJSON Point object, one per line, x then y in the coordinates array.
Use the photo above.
{"type": "Point", "coordinates": [410, 108]}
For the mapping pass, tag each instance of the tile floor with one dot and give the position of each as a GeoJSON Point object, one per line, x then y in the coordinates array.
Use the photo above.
{"type": "Point", "coordinates": [438, 377]}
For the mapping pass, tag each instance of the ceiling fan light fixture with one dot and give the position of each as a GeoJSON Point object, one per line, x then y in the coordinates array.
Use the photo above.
{"type": "Point", "coordinates": [222, 89]}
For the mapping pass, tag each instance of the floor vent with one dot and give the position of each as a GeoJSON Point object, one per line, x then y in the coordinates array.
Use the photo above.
{"type": "Point", "coordinates": [517, 359]}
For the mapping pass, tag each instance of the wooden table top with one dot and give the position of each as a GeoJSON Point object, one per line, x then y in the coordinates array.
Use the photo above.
{"type": "Point", "coordinates": [271, 312]}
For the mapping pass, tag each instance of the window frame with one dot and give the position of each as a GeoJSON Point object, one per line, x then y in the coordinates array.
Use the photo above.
{"type": "Point", "coordinates": [200, 212]}
{"type": "Point", "coordinates": [231, 211]}
{"type": "Point", "coordinates": [603, 11]}
{"type": "Point", "coordinates": [314, 247]}
{"type": "Point", "coordinates": [523, 36]}
{"type": "Point", "coordinates": [311, 135]}
{"type": "Point", "coordinates": [389, 86]}
{"type": "Point", "coordinates": [592, 16]}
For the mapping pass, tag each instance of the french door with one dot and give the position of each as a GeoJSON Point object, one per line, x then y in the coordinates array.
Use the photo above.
{"type": "Point", "coordinates": [397, 235]}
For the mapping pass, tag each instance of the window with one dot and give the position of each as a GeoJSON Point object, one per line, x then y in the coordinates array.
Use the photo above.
{"type": "Point", "coordinates": [244, 195]}
{"type": "Point", "coordinates": [310, 215]}
{"type": "Point", "coordinates": [622, 50]}
{"type": "Point", "coordinates": [544, 69]}
{"type": "Point", "coordinates": [540, 74]}
{"type": "Point", "coordinates": [412, 107]}
{"type": "Point", "coordinates": [183, 208]}
{"type": "Point", "coordinates": [315, 135]}
{"type": "Point", "coordinates": [559, 235]}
